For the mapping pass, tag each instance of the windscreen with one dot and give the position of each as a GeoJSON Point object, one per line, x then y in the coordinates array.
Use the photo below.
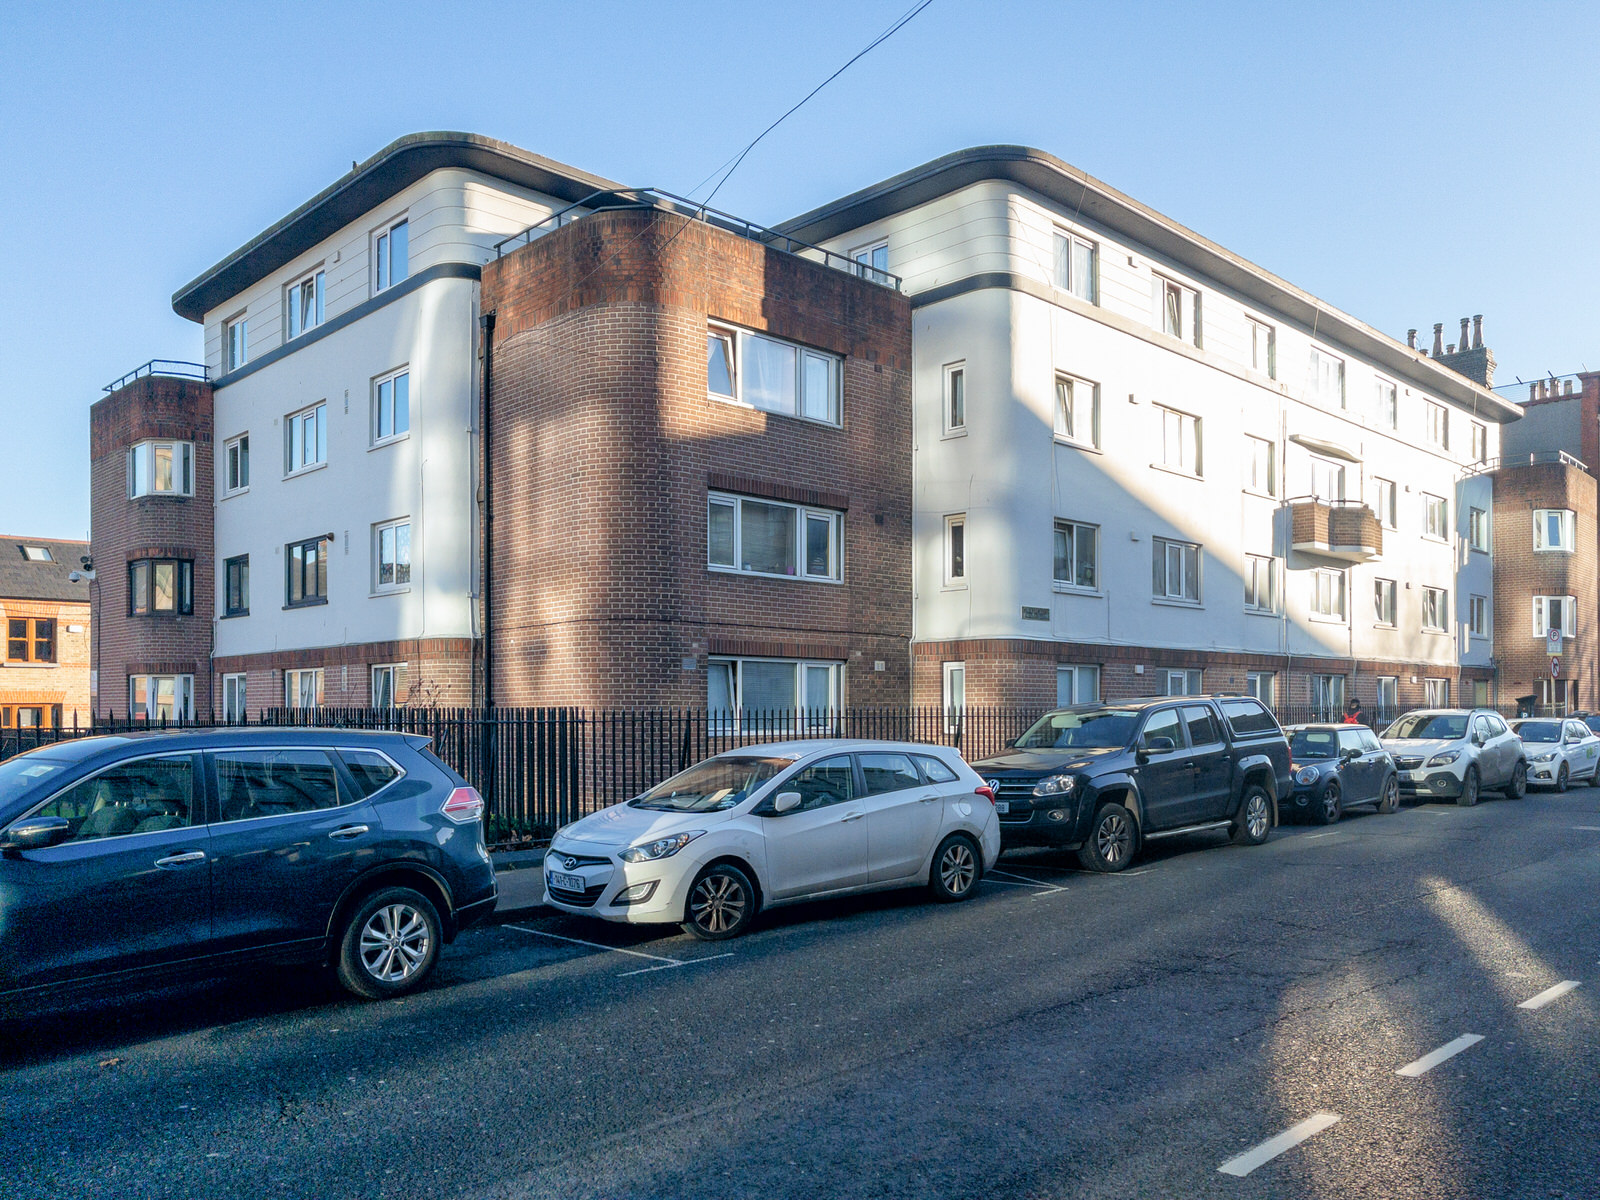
{"type": "Point", "coordinates": [1539, 731]}
{"type": "Point", "coordinates": [1313, 743]}
{"type": "Point", "coordinates": [1443, 726]}
{"type": "Point", "coordinates": [25, 772]}
{"type": "Point", "coordinates": [1087, 729]}
{"type": "Point", "coordinates": [711, 786]}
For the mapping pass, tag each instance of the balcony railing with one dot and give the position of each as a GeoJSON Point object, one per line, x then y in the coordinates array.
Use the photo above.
{"type": "Point", "coordinates": [1534, 458]}
{"type": "Point", "coordinates": [173, 367]}
{"type": "Point", "coordinates": [653, 199]}
{"type": "Point", "coordinates": [1343, 529]}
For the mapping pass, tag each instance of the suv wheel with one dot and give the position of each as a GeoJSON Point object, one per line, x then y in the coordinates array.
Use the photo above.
{"type": "Point", "coordinates": [389, 944]}
{"type": "Point", "coordinates": [1518, 787]}
{"type": "Point", "coordinates": [1391, 796]}
{"type": "Point", "coordinates": [1469, 789]}
{"type": "Point", "coordinates": [1329, 809]}
{"type": "Point", "coordinates": [722, 903]}
{"type": "Point", "coordinates": [1113, 837]}
{"type": "Point", "coordinates": [957, 867]}
{"type": "Point", "coordinates": [1255, 817]}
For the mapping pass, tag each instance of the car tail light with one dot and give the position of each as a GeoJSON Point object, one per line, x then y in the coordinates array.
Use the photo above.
{"type": "Point", "coordinates": [463, 805]}
{"type": "Point", "coordinates": [986, 792]}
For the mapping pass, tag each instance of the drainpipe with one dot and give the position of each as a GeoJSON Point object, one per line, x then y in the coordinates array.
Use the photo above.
{"type": "Point", "coordinates": [486, 325]}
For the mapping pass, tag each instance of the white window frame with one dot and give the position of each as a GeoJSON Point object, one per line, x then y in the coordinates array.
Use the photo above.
{"type": "Point", "coordinates": [1259, 570]}
{"type": "Point", "coordinates": [1566, 530]}
{"type": "Point", "coordinates": [1435, 608]}
{"type": "Point", "coordinates": [296, 322]}
{"type": "Point", "coordinates": [733, 717]}
{"type": "Point", "coordinates": [1071, 423]}
{"type": "Point", "coordinates": [1263, 685]}
{"type": "Point", "coordinates": [1263, 348]}
{"type": "Point", "coordinates": [295, 462]}
{"type": "Point", "coordinates": [236, 465]}
{"type": "Point", "coordinates": [1435, 517]}
{"type": "Point", "coordinates": [1436, 424]}
{"type": "Point", "coordinates": [1436, 693]}
{"type": "Point", "coordinates": [1184, 321]}
{"type": "Point", "coordinates": [392, 529]}
{"type": "Point", "coordinates": [1261, 460]}
{"type": "Point", "coordinates": [182, 691]}
{"type": "Point", "coordinates": [1327, 697]}
{"type": "Point", "coordinates": [1327, 374]}
{"type": "Point", "coordinates": [1385, 602]}
{"type": "Point", "coordinates": [1478, 616]}
{"type": "Point", "coordinates": [1330, 595]}
{"type": "Point", "coordinates": [1073, 681]}
{"type": "Point", "coordinates": [953, 694]}
{"type": "Point", "coordinates": [1568, 612]}
{"type": "Point", "coordinates": [1191, 567]}
{"type": "Point", "coordinates": [1082, 533]}
{"type": "Point", "coordinates": [142, 459]}
{"type": "Point", "coordinates": [1189, 681]}
{"type": "Point", "coordinates": [1182, 442]}
{"type": "Point", "coordinates": [1480, 442]}
{"type": "Point", "coordinates": [1328, 478]}
{"type": "Point", "coordinates": [802, 515]}
{"type": "Point", "coordinates": [1064, 269]}
{"type": "Point", "coordinates": [1478, 536]}
{"type": "Point", "coordinates": [397, 677]}
{"type": "Point", "coordinates": [955, 574]}
{"type": "Point", "coordinates": [870, 263]}
{"type": "Point", "coordinates": [1387, 502]}
{"type": "Point", "coordinates": [383, 258]}
{"type": "Point", "coordinates": [738, 340]}
{"type": "Point", "coordinates": [234, 697]}
{"type": "Point", "coordinates": [392, 382]}
{"type": "Point", "coordinates": [235, 342]}
{"type": "Point", "coordinates": [1387, 701]}
{"type": "Point", "coordinates": [955, 397]}
{"type": "Point", "coordinates": [295, 683]}
{"type": "Point", "coordinates": [1386, 404]}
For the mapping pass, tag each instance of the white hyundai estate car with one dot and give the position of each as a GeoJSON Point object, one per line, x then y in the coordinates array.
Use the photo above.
{"type": "Point", "coordinates": [767, 825]}
{"type": "Point", "coordinates": [1456, 753]}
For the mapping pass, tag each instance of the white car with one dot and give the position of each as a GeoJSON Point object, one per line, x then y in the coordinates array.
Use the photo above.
{"type": "Point", "coordinates": [767, 825]}
{"type": "Point", "coordinates": [1456, 753]}
{"type": "Point", "coordinates": [1561, 750]}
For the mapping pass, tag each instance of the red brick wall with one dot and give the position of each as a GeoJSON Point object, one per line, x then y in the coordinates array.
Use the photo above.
{"type": "Point", "coordinates": [439, 670]}
{"type": "Point", "coordinates": [605, 444]}
{"type": "Point", "coordinates": [121, 529]}
{"type": "Point", "coordinates": [45, 685]}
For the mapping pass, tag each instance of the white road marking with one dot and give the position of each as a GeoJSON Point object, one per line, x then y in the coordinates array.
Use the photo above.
{"type": "Point", "coordinates": [1272, 1147]}
{"type": "Point", "coordinates": [1311, 837]}
{"type": "Point", "coordinates": [1449, 1050]}
{"type": "Point", "coordinates": [1549, 994]}
{"type": "Point", "coordinates": [596, 945]}
{"type": "Point", "coordinates": [668, 966]}
{"type": "Point", "coordinates": [1048, 889]}
{"type": "Point", "coordinates": [1588, 828]}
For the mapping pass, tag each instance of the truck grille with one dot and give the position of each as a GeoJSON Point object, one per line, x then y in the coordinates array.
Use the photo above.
{"type": "Point", "coordinates": [1018, 793]}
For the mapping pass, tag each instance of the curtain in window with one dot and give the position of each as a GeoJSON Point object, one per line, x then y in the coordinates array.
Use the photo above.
{"type": "Point", "coordinates": [769, 374]}
{"type": "Point", "coordinates": [767, 686]}
{"type": "Point", "coordinates": [719, 364]}
{"type": "Point", "coordinates": [767, 537]}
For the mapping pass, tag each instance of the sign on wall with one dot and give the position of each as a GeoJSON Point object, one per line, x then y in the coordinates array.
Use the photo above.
{"type": "Point", "coordinates": [1552, 642]}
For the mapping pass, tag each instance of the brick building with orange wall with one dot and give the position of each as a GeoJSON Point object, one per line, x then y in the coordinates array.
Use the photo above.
{"type": "Point", "coordinates": [44, 617]}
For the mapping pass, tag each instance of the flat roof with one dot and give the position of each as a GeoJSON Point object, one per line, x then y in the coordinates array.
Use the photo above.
{"type": "Point", "coordinates": [1081, 192]}
{"type": "Point", "coordinates": [397, 166]}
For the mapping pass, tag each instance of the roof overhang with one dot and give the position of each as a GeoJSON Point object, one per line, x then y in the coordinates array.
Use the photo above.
{"type": "Point", "coordinates": [389, 171]}
{"type": "Point", "coordinates": [1067, 185]}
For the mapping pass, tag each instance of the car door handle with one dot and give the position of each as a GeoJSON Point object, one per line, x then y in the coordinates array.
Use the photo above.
{"type": "Point", "coordinates": [855, 816]}
{"type": "Point", "coordinates": [349, 831]}
{"type": "Point", "coordinates": [182, 859]}
{"type": "Point", "coordinates": [927, 799]}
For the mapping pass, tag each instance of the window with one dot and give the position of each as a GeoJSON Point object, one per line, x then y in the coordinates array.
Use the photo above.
{"type": "Point", "coordinates": [1385, 406]}
{"type": "Point", "coordinates": [274, 783]}
{"type": "Point", "coordinates": [1555, 612]}
{"type": "Point", "coordinates": [1383, 601]}
{"type": "Point", "coordinates": [884, 773]}
{"type": "Point", "coordinates": [236, 336]}
{"type": "Point", "coordinates": [1327, 594]}
{"type": "Point", "coordinates": [765, 694]}
{"type": "Point", "coordinates": [1076, 266]}
{"type": "Point", "coordinates": [1264, 349]}
{"type": "Point", "coordinates": [160, 585]}
{"type": "Point", "coordinates": [1553, 529]}
{"type": "Point", "coordinates": [1177, 570]}
{"type": "Point", "coordinates": [765, 537]}
{"type": "Point", "coordinates": [306, 565]}
{"type": "Point", "coordinates": [1480, 442]}
{"type": "Point", "coordinates": [1478, 529]}
{"type": "Point", "coordinates": [955, 397]}
{"type": "Point", "coordinates": [1177, 310]}
{"type": "Point", "coordinates": [1478, 616]}
{"type": "Point", "coordinates": [1385, 502]}
{"type": "Point", "coordinates": [1437, 424]}
{"type": "Point", "coordinates": [1388, 702]}
{"type": "Point", "coordinates": [307, 434]}
{"type": "Point", "coordinates": [303, 688]}
{"type": "Point", "coordinates": [389, 685]}
{"type": "Point", "coordinates": [765, 373]}
{"type": "Point", "coordinates": [954, 695]}
{"type": "Point", "coordinates": [1203, 727]}
{"type": "Point", "coordinates": [955, 549]}
{"type": "Point", "coordinates": [1077, 554]}
{"type": "Point", "coordinates": [1077, 415]}
{"type": "Point", "coordinates": [372, 770]}
{"type": "Point", "coordinates": [38, 554]}
{"type": "Point", "coordinates": [1077, 685]}
{"type": "Point", "coordinates": [391, 544]}
{"type": "Point", "coordinates": [1163, 723]}
{"type": "Point", "coordinates": [1180, 441]}
{"type": "Point", "coordinates": [31, 639]}
{"type": "Point", "coordinates": [303, 299]}
{"type": "Point", "coordinates": [1436, 693]}
{"type": "Point", "coordinates": [1263, 685]}
{"type": "Point", "coordinates": [143, 796]}
{"type": "Point", "coordinates": [161, 697]}
{"type": "Point", "coordinates": [831, 781]}
{"type": "Point", "coordinates": [1435, 517]}
{"type": "Point", "coordinates": [161, 469]}
{"type": "Point", "coordinates": [236, 464]}
{"type": "Point", "coordinates": [391, 250]}
{"type": "Point", "coordinates": [233, 698]}
{"type": "Point", "coordinates": [1182, 683]}
{"type": "Point", "coordinates": [391, 403]}
{"type": "Point", "coordinates": [1261, 466]}
{"type": "Point", "coordinates": [1327, 378]}
{"type": "Point", "coordinates": [1260, 583]}
{"type": "Point", "coordinates": [236, 586]}
{"type": "Point", "coordinates": [1327, 479]}
{"type": "Point", "coordinates": [1327, 697]}
{"type": "Point", "coordinates": [872, 262]}
{"type": "Point", "coordinates": [1435, 609]}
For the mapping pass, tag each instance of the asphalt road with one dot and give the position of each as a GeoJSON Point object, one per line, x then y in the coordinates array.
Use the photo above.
{"type": "Point", "coordinates": [1061, 1035]}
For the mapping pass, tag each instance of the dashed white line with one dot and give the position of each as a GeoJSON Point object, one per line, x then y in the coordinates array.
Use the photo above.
{"type": "Point", "coordinates": [1311, 837]}
{"type": "Point", "coordinates": [1588, 828]}
{"type": "Point", "coordinates": [1449, 1050]}
{"type": "Point", "coordinates": [1268, 1150]}
{"type": "Point", "coordinates": [1549, 994]}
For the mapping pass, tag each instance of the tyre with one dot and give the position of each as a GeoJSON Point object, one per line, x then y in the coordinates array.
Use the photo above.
{"type": "Point", "coordinates": [721, 904]}
{"type": "Point", "coordinates": [957, 868]}
{"type": "Point", "coordinates": [1518, 787]}
{"type": "Point", "coordinates": [1390, 800]}
{"type": "Point", "coordinates": [1562, 778]}
{"type": "Point", "coordinates": [1113, 838]}
{"type": "Point", "coordinates": [1255, 817]}
{"type": "Point", "coordinates": [1329, 808]}
{"type": "Point", "coordinates": [1469, 789]}
{"type": "Point", "coordinates": [389, 944]}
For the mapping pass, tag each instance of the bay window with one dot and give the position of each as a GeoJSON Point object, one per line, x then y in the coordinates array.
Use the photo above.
{"type": "Point", "coordinates": [768, 537]}
{"type": "Point", "coordinates": [161, 469]}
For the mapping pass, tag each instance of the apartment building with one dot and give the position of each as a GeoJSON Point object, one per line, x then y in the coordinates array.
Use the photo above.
{"type": "Point", "coordinates": [1143, 465]}
{"type": "Point", "coordinates": [44, 616]}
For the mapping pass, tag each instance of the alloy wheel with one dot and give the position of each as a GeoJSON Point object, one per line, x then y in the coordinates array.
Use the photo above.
{"type": "Point", "coordinates": [718, 903]}
{"type": "Point", "coordinates": [394, 942]}
{"type": "Point", "coordinates": [957, 868]}
{"type": "Point", "coordinates": [1113, 838]}
{"type": "Point", "coordinates": [1256, 816]}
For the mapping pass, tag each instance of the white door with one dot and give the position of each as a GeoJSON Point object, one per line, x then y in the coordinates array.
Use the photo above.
{"type": "Point", "coordinates": [822, 845]}
{"type": "Point", "coordinates": [904, 816]}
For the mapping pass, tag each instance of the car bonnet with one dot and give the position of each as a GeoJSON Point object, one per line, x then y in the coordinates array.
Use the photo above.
{"type": "Point", "coordinates": [623, 825]}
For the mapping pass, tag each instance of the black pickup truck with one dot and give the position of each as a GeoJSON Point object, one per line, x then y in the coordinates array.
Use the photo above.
{"type": "Point", "coordinates": [1104, 778]}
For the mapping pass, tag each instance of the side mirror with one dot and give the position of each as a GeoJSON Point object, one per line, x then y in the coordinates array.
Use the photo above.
{"type": "Point", "coordinates": [1349, 755]}
{"type": "Point", "coordinates": [1160, 745]}
{"type": "Point", "coordinates": [785, 802]}
{"type": "Point", "coordinates": [35, 834]}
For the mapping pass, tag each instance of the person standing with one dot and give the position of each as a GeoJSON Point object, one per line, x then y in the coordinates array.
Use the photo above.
{"type": "Point", "coordinates": [1353, 714]}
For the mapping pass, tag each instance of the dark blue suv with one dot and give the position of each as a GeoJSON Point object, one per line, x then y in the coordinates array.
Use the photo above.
{"type": "Point", "coordinates": [145, 854]}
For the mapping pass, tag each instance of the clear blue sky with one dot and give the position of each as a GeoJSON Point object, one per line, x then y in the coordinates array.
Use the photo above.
{"type": "Point", "coordinates": [1407, 163]}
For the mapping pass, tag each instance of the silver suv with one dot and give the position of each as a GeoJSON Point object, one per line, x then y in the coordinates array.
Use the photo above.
{"type": "Point", "coordinates": [1457, 753]}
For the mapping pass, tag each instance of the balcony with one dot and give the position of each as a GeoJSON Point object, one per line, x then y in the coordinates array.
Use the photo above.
{"type": "Point", "coordinates": [1343, 529]}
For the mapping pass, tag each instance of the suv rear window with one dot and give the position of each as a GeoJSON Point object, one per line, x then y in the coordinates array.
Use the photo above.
{"type": "Point", "coordinates": [371, 771]}
{"type": "Point", "coordinates": [1247, 716]}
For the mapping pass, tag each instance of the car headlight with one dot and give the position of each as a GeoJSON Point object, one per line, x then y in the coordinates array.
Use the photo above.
{"type": "Point", "coordinates": [1055, 785]}
{"type": "Point", "coordinates": [1445, 759]}
{"type": "Point", "coordinates": [1547, 756]}
{"type": "Point", "coordinates": [660, 848]}
{"type": "Point", "coordinates": [1305, 776]}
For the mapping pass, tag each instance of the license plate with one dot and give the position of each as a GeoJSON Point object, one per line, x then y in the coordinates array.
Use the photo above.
{"type": "Point", "coordinates": [1411, 776]}
{"type": "Point", "coordinates": [568, 883]}
{"type": "Point", "coordinates": [1002, 806]}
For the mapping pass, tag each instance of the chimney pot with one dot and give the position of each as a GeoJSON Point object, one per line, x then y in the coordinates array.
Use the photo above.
{"type": "Point", "coordinates": [1477, 332]}
{"type": "Point", "coordinates": [1450, 349]}
{"type": "Point", "coordinates": [1438, 339]}
{"type": "Point", "coordinates": [1466, 343]}
{"type": "Point", "coordinates": [1566, 389]}
{"type": "Point", "coordinates": [1411, 338]}
{"type": "Point", "coordinates": [1533, 390]}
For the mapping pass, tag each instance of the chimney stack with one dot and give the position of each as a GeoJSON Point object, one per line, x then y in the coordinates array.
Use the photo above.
{"type": "Point", "coordinates": [1411, 338]}
{"type": "Point", "coordinates": [1438, 339]}
{"type": "Point", "coordinates": [1466, 341]}
{"type": "Point", "coordinates": [1477, 332]}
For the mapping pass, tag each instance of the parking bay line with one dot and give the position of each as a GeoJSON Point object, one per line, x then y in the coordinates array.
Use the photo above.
{"type": "Point", "coordinates": [1449, 1050]}
{"type": "Point", "coordinates": [1588, 828]}
{"type": "Point", "coordinates": [666, 963]}
{"type": "Point", "coordinates": [1046, 889]}
{"type": "Point", "coordinates": [1549, 994]}
{"type": "Point", "coordinates": [1268, 1150]}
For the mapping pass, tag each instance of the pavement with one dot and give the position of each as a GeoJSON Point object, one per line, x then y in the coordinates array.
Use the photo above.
{"type": "Point", "coordinates": [1382, 1008]}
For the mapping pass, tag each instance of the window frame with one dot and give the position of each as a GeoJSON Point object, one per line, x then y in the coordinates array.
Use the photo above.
{"type": "Point", "coordinates": [1432, 505]}
{"type": "Point", "coordinates": [737, 338]}
{"type": "Point", "coordinates": [30, 641]}
{"type": "Point", "coordinates": [235, 697]}
{"type": "Point", "coordinates": [390, 379]}
{"type": "Point", "coordinates": [1070, 584]}
{"type": "Point", "coordinates": [1062, 415]}
{"type": "Point", "coordinates": [236, 465]}
{"type": "Point", "coordinates": [306, 600]}
{"type": "Point", "coordinates": [1567, 530]}
{"type": "Point", "coordinates": [182, 691]}
{"type": "Point", "coordinates": [181, 467]}
{"type": "Point", "coordinates": [802, 513]}
{"type": "Point", "coordinates": [955, 557]}
{"type": "Point", "coordinates": [1326, 471]}
{"type": "Point", "coordinates": [1436, 414]}
{"type": "Point", "coordinates": [1478, 533]}
{"type": "Point", "coordinates": [1339, 614]}
{"type": "Point", "coordinates": [954, 403]}
{"type": "Point", "coordinates": [294, 435]}
{"type": "Point", "coordinates": [1541, 616]}
{"type": "Point", "coordinates": [1379, 593]}
{"type": "Point", "coordinates": [1437, 599]}
{"type": "Point", "coordinates": [1255, 443]}
{"type": "Point", "coordinates": [1196, 443]}
{"type": "Point", "coordinates": [1066, 281]}
{"type": "Point", "coordinates": [1480, 442]}
{"type": "Point", "coordinates": [229, 609]}
{"type": "Point", "coordinates": [1192, 565]}
{"type": "Point", "coordinates": [1477, 616]}
{"type": "Point", "coordinates": [1262, 686]}
{"type": "Point", "coordinates": [1252, 584]}
{"type": "Point", "coordinates": [1188, 309]}
{"type": "Point", "coordinates": [399, 674]}
{"type": "Point", "coordinates": [1076, 672]}
{"type": "Point", "coordinates": [1314, 361]}
{"type": "Point", "coordinates": [862, 259]}
{"type": "Point", "coordinates": [383, 254]}
{"type": "Point", "coordinates": [294, 323]}
{"type": "Point", "coordinates": [1436, 693]}
{"type": "Point", "coordinates": [379, 528]}
{"type": "Point", "coordinates": [733, 718]}
{"type": "Point", "coordinates": [1388, 513]}
{"type": "Point", "coordinates": [953, 710]}
{"type": "Point", "coordinates": [182, 587]}
{"type": "Point", "coordinates": [1188, 676]}
{"type": "Point", "coordinates": [1386, 403]}
{"type": "Point", "coordinates": [236, 349]}
{"type": "Point", "coordinates": [294, 686]}
{"type": "Point", "coordinates": [1257, 325]}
